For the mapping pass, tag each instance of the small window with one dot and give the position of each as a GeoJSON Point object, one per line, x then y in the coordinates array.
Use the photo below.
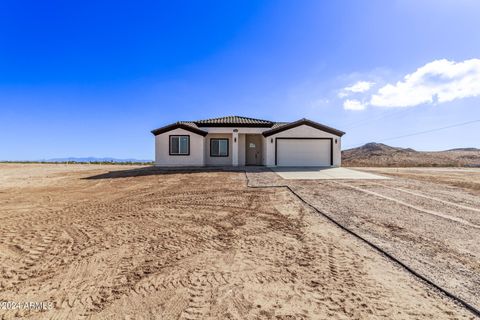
{"type": "Point", "coordinates": [179, 145]}
{"type": "Point", "coordinates": [218, 147]}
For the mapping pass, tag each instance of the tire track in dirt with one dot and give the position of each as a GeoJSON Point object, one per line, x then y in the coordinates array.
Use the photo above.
{"type": "Point", "coordinates": [450, 267]}
{"type": "Point", "coordinates": [201, 246]}
{"type": "Point", "coordinates": [435, 213]}
{"type": "Point", "coordinates": [427, 197]}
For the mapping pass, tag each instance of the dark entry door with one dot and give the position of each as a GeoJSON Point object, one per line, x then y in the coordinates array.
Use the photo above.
{"type": "Point", "coordinates": [253, 153]}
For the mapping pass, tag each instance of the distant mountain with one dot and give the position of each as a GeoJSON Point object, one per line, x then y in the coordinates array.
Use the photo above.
{"type": "Point", "coordinates": [382, 155]}
{"type": "Point", "coordinates": [465, 149]}
{"type": "Point", "coordinates": [95, 159]}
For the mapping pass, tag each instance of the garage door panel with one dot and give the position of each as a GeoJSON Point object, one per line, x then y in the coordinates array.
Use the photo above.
{"type": "Point", "coordinates": [303, 152]}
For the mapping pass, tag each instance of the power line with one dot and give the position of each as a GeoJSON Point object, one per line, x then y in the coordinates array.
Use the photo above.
{"type": "Point", "coordinates": [433, 130]}
{"type": "Point", "coordinates": [383, 115]}
{"type": "Point", "coordinates": [422, 132]}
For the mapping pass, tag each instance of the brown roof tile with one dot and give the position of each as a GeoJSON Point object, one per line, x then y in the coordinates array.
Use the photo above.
{"type": "Point", "coordinates": [234, 120]}
{"type": "Point", "coordinates": [238, 121]}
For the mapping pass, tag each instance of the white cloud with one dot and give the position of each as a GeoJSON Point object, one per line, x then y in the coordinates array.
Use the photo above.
{"type": "Point", "coordinates": [354, 105]}
{"type": "Point", "coordinates": [437, 81]}
{"type": "Point", "coordinates": [357, 87]}
{"type": "Point", "coordinates": [360, 86]}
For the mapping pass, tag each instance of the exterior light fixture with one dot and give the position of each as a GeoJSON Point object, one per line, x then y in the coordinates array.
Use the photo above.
{"type": "Point", "coordinates": [335, 141]}
{"type": "Point", "coordinates": [271, 140]}
{"type": "Point", "coordinates": [235, 138]}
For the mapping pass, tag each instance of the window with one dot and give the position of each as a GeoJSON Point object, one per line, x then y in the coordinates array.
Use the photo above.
{"type": "Point", "coordinates": [218, 147]}
{"type": "Point", "coordinates": [179, 145]}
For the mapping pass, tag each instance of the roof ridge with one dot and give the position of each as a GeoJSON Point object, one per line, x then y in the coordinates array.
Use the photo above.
{"type": "Point", "coordinates": [232, 119]}
{"type": "Point", "coordinates": [244, 117]}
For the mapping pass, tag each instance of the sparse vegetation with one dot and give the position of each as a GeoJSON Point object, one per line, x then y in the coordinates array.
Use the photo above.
{"type": "Point", "coordinates": [382, 155]}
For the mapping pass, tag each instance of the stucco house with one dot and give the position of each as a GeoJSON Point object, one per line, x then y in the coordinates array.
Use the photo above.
{"type": "Point", "coordinates": [241, 141]}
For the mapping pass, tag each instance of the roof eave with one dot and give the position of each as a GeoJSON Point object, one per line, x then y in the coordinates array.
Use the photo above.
{"type": "Point", "coordinates": [174, 126]}
{"type": "Point", "coordinates": [300, 122]}
{"type": "Point", "coordinates": [240, 125]}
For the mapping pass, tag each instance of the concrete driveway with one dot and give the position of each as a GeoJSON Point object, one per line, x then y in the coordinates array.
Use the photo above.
{"type": "Point", "coordinates": [323, 173]}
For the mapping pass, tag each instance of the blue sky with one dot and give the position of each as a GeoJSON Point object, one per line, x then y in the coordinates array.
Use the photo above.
{"type": "Point", "coordinates": [92, 78]}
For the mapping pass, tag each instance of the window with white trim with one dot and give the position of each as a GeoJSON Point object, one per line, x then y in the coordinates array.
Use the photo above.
{"type": "Point", "coordinates": [218, 147]}
{"type": "Point", "coordinates": [179, 145]}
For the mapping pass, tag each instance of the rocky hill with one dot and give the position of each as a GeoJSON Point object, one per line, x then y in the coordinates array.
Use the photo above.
{"type": "Point", "coordinates": [381, 155]}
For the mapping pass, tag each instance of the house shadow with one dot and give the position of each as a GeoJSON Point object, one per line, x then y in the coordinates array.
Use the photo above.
{"type": "Point", "coordinates": [154, 171]}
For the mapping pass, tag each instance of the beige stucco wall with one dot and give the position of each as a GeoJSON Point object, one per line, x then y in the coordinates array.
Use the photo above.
{"type": "Point", "coordinates": [200, 146]}
{"type": "Point", "coordinates": [264, 150]}
{"type": "Point", "coordinates": [163, 159]}
{"type": "Point", "coordinates": [302, 131]}
{"type": "Point", "coordinates": [218, 161]}
{"type": "Point", "coordinates": [241, 149]}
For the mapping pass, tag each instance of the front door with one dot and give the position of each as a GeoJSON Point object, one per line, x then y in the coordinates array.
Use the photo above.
{"type": "Point", "coordinates": [253, 153]}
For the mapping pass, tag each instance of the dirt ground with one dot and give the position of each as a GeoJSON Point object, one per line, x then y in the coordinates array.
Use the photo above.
{"type": "Point", "coordinates": [429, 218]}
{"type": "Point", "coordinates": [142, 244]}
{"type": "Point", "coordinates": [466, 178]}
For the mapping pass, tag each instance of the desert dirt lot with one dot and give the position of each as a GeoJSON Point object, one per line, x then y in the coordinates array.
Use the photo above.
{"type": "Point", "coordinates": [428, 218]}
{"type": "Point", "coordinates": [143, 244]}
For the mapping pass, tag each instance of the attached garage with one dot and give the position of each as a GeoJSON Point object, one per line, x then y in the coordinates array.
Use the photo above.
{"type": "Point", "coordinates": [303, 143]}
{"type": "Point", "coordinates": [239, 141]}
{"type": "Point", "coordinates": [304, 152]}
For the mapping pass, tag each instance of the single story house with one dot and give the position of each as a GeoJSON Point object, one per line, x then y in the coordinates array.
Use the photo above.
{"type": "Point", "coordinates": [242, 141]}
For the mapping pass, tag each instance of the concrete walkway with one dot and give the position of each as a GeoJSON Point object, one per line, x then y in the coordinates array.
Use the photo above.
{"type": "Point", "coordinates": [314, 173]}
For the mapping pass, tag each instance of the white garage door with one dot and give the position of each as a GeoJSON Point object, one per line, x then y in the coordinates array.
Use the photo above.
{"type": "Point", "coordinates": [303, 152]}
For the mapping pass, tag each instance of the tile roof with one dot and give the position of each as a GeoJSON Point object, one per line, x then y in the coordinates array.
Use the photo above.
{"type": "Point", "coordinates": [279, 124]}
{"type": "Point", "coordinates": [233, 120]}
{"type": "Point", "coordinates": [189, 126]}
{"type": "Point", "coordinates": [188, 123]}
{"type": "Point", "coordinates": [237, 121]}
